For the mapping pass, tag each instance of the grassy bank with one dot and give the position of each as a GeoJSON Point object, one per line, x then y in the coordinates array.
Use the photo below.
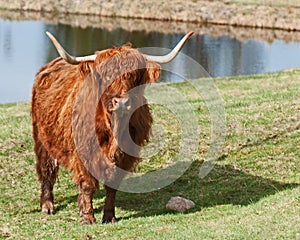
{"type": "Point", "coordinates": [253, 192]}
{"type": "Point", "coordinates": [270, 14]}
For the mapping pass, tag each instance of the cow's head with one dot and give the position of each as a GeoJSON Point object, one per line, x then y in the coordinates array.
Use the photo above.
{"type": "Point", "coordinates": [121, 74]}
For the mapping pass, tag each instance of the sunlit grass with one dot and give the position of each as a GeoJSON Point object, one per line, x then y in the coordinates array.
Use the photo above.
{"type": "Point", "coordinates": [253, 191]}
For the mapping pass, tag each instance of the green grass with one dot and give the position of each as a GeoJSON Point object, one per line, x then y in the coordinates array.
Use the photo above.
{"type": "Point", "coordinates": [253, 192]}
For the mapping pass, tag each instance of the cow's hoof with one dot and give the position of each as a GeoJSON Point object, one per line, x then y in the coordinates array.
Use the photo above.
{"type": "Point", "coordinates": [48, 207]}
{"type": "Point", "coordinates": [86, 220]}
{"type": "Point", "coordinates": [109, 218]}
{"type": "Point", "coordinates": [113, 220]}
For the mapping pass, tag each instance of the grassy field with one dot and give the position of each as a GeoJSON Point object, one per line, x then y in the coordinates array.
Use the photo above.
{"type": "Point", "coordinates": [253, 192]}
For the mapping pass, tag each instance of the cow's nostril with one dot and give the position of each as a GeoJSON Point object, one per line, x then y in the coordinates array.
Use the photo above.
{"type": "Point", "coordinates": [116, 101]}
{"type": "Point", "coordinates": [128, 104]}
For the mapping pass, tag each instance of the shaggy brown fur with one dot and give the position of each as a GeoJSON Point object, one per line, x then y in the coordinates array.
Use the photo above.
{"type": "Point", "coordinates": [64, 130]}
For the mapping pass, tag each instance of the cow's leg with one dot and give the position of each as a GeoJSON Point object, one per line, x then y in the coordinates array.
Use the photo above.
{"type": "Point", "coordinates": [47, 169]}
{"type": "Point", "coordinates": [109, 205]}
{"type": "Point", "coordinates": [111, 190]}
{"type": "Point", "coordinates": [87, 186]}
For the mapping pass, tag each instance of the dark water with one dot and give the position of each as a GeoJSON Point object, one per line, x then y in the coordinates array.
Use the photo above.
{"type": "Point", "coordinates": [24, 48]}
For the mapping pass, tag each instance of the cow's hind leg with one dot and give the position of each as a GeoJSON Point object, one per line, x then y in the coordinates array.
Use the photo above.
{"type": "Point", "coordinates": [47, 169]}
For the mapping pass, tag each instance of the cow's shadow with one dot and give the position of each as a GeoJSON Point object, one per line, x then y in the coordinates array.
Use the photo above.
{"type": "Point", "coordinates": [224, 185]}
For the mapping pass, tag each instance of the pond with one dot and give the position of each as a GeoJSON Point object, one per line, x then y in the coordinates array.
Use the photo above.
{"type": "Point", "coordinates": [24, 48]}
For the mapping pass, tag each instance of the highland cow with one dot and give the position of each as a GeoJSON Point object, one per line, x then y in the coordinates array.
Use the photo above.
{"type": "Point", "coordinates": [83, 105]}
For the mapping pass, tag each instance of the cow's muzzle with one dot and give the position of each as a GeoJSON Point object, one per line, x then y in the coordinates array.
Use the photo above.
{"type": "Point", "coordinates": [121, 104]}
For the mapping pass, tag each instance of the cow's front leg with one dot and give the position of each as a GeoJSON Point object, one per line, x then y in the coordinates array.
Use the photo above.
{"type": "Point", "coordinates": [111, 186]}
{"type": "Point", "coordinates": [86, 208]}
{"type": "Point", "coordinates": [87, 186]}
{"type": "Point", "coordinates": [109, 206]}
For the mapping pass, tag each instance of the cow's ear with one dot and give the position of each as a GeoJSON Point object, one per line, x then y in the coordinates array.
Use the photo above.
{"type": "Point", "coordinates": [152, 72]}
{"type": "Point", "coordinates": [86, 68]}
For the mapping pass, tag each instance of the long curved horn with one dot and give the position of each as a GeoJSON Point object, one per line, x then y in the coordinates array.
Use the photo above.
{"type": "Point", "coordinates": [66, 56]}
{"type": "Point", "coordinates": [170, 56]}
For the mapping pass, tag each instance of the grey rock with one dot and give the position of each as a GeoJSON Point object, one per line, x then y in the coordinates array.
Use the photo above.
{"type": "Point", "coordinates": [179, 204]}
